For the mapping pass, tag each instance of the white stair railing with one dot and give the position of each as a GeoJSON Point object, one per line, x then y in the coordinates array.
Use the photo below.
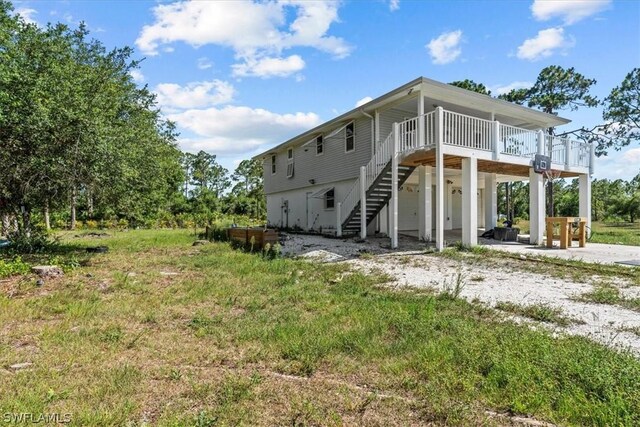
{"type": "Point", "coordinates": [377, 163]}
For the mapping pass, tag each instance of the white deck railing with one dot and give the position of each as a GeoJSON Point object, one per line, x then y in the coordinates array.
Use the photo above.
{"type": "Point", "coordinates": [467, 131]}
{"type": "Point", "coordinates": [556, 148]}
{"type": "Point", "coordinates": [519, 142]}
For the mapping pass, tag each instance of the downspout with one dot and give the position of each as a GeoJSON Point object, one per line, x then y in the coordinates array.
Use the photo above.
{"type": "Point", "coordinates": [373, 130]}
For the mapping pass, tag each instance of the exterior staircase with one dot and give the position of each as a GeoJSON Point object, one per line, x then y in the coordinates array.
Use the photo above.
{"type": "Point", "coordinates": [378, 195]}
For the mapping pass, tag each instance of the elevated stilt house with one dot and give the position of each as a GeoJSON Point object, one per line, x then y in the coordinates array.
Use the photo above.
{"type": "Point", "coordinates": [424, 158]}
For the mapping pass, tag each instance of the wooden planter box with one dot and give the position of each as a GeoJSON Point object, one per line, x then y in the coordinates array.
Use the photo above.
{"type": "Point", "coordinates": [260, 235]}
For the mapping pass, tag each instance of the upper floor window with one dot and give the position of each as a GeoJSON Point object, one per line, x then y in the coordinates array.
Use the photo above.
{"type": "Point", "coordinates": [349, 138]}
{"type": "Point", "coordinates": [290, 154]}
{"type": "Point", "coordinates": [273, 164]}
{"type": "Point", "coordinates": [319, 145]}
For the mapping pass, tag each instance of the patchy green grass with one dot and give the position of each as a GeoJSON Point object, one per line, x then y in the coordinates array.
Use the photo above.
{"type": "Point", "coordinates": [606, 293]}
{"type": "Point", "coordinates": [157, 331]}
{"type": "Point", "coordinates": [539, 312]}
{"type": "Point", "coordinates": [621, 233]}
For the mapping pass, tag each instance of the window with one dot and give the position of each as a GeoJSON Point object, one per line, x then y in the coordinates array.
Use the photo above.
{"type": "Point", "coordinates": [349, 138]}
{"type": "Point", "coordinates": [290, 163]}
{"type": "Point", "coordinates": [273, 164]}
{"type": "Point", "coordinates": [329, 199]}
{"type": "Point", "coordinates": [319, 145]}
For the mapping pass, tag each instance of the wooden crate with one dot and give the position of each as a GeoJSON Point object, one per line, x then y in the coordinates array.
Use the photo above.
{"type": "Point", "coordinates": [260, 236]}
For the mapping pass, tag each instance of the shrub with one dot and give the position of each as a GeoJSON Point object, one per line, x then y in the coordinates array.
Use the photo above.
{"type": "Point", "coordinates": [91, 224]}
{"type": "Point", "coordinates": [11, 268]}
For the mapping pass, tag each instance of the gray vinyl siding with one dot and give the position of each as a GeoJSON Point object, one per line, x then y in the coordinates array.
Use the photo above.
{"type": "Point", "coordinates": [332, 165]}
{"type": "Point", "coordinates": [388, 117]}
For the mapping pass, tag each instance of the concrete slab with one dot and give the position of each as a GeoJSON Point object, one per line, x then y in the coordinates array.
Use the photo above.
{"type": "Point", "coordinates": [593, 252]}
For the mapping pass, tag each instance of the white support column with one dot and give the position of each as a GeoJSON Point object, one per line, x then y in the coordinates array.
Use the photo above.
{"type": "Point", "coordinates": [585, 200]}
{"type": "Point", "coordinates": [448, 206]}
{"type": "Point", "coordinates": [536, 207]}
{"type": "Point", "coordinates": [339, 219]}
{"type": "Point", "coordinates": [470, 201]}
{"type": "Point", "coordinates": [541, 142]}
{"type": "Point", "coordinates": [496, 140]}
{"type": "Point", "coordinates": [424, 203]}
{"type": "Point", "coordinates": [490, 201]}
{"type": "Point", "coordinates": [439, 235]}
{"type": "Point", "coordinates": [363, 202]}
{"type": "Point", "coordinates": [389, 219]}
{"type": "Point", "coordinates": [592, 158]}
{"type": "Point", "coordinates": [420, 129]}
{"type": "Point", "coordinates": [394, 186]}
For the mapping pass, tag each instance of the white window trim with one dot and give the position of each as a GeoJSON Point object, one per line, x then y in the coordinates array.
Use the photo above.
{"type": "Point", "coordinates": [354, 137]}
{"type": "Point", "coordinates": [290, 151]}
{"type": "Point", "coordinates": [274, 162]}
{"type": "Point", "coordinates": [316, 141]}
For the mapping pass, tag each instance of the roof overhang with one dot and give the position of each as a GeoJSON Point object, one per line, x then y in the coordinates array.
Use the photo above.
{"type": "Point", "coordinates": [434, 90]}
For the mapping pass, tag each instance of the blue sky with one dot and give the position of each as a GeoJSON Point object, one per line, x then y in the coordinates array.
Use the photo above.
{"type": "Point", "coordinates": [238, 77]}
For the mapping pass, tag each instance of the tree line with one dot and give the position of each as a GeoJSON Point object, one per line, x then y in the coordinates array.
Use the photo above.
{"type": "Point", "coordinates": [557, 89]}
{"type": "Point", "coordinates": [612, 200]}
{"type": "Point", "coordinates": [81, 140]}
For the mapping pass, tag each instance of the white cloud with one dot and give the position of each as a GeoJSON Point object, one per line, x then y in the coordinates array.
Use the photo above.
{"type": "Point", "coordinates": [394, 5]}
{"type": "Point", "coordinates": [269, 67]}
{"type": "Point", "coordinates": [446, 47]}
{"type": "Point", "coordinates": [363, 101]}
{"type": "Point", "coordinates": [137, 75]}
{"type": "Point", "coordinates": [27, 14]}
{"type": "Point", "coordinates": [172, 96]}
{"type": "Point", "coordinates": [570, 11]}
{"type": "Point", "coordinates": [204, 63]}
{"type": "Point", "coordinates": [256, 31]}
{"type": "Point", "coordinates": [234, 130]}
{"type": "Point", "coordinates": [502, 89]}
{"type": "Point", "coordinates": [545, 44]}
{"type": "Point", "coordinates": [618, 164]}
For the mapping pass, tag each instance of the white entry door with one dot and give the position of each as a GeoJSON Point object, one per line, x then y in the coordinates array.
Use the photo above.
{"type": "Point", "coordinates": [408, 208]}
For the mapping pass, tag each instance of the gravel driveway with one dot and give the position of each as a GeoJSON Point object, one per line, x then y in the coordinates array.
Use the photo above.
{"type": "Point", "coordinates": [412, 267]}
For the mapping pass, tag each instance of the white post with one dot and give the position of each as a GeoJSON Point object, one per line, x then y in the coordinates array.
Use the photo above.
{"type": "Point", "coordinates": [339, 219]}
{"type": "Point", "coordinates": [394, 186]}
{"type": "Point", "coordinates": [363, 202]}
{"type": "Point", "coordinates": [420, 129]}
{"type": "Point", "coordinates": [470, 201]}
{"type": "Point", "coordinates": [585, 200]}
{"type": "Point", "coordinates": [424, 203]}
{"type": "Point", "coordinates": [536, 207]}
{"type": "Point", "coordinates": [490, 201]}
{"type": "Point", "coordinates": [592, 158]}
{"type": "Point", "coordinates": [541, 143]}
{"type": "Point", "coordinates": [496, 140]}
{"type": "Point", "coordinates": [439, 179]}
{"type": "Point", "coordinates": [567, 154]}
